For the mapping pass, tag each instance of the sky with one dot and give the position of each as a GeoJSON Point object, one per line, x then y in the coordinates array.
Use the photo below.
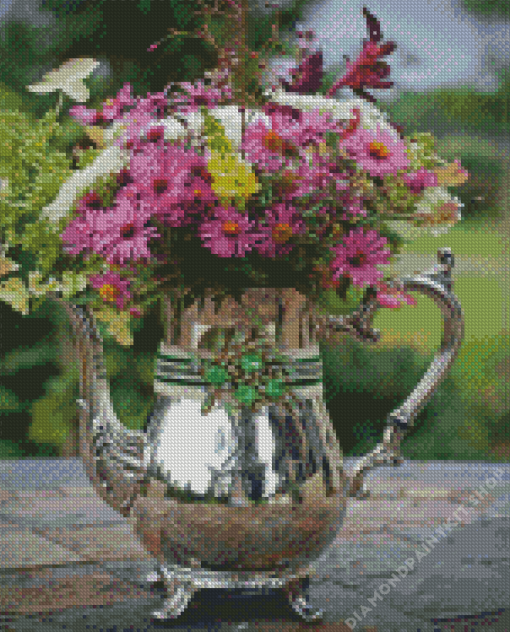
{"type": "Point", "coordinates": [439, 44]}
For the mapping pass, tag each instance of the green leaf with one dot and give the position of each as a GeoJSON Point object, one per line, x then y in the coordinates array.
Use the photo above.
{"type": "Point", "coordinates": [9, 402]}
{"type": "Point", "coordinates": [39, 353]}
{"type": "Point", "coordinates": [117, 323]}
{"type": "Point", "coordinates": [15, 293]}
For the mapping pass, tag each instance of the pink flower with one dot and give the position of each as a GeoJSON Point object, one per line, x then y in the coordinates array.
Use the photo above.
{"type": "Point", "coordinates": [86, 116]}
{"type": "Point", "coordinates": [125, 235]}
{"type": "Point", "coordinates": [367, 70]}
{"type": "Point", "coordinates": [283, 222]}
{"type": "Point", "coordinates": [118, 233]}
{"type": "Point", "coordinates": [418, 180]}
{"type": "Point", "coordinates": [112, 108]}
{"type": "Point", "coordinates": [174, 181]}
{"type": "Point", "coordinates": [89, 200]}
{"type": "Point", "coordinates": [267, 148]}
{"type": "Point", "coordinates": [377, 152]}
{"type": "Point", "coordinates": [229, 234]}
{"type": "Point", "coordinates": [155, 103]}
{"type": "Point", "coordinates": [134, 311]}
{"type": "Point", "coordinates": [392, 297]}
{"type": "Point", "coordinates": [199, 95]}
{"type": "Point", "coordinates": [112, 288]}
{"type": "Point", "coordinates": [353, 207]}
{"type": "Point", "coordinates": [133, 122]}
{"type": "Point", "coordinates": [358, 255]}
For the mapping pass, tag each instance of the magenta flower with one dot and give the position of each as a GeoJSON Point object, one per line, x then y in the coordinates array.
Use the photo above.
{"type": "Point", "coordinates": [229, 234]}
{"type": "Point", "coordinates": [307, 78]}
{"type": "Point", "coordinates": [283, 222]}
{"type": "Point", "coordinates": [155, 103]}
{"type": "Point", "coordinates": [174, 181]}
{"type": "Point", "coordinates": [112, 108]}
{"type": "Point", "coordinates": [392, 297]}
{"type": "Point", "coordinates": [86, 116]}
{"type": "Point", "coordinates": [126, 236]}
{"type": "Point", "coordinates": [267, 148]}
{"type": "Point", "coordinates": [118, 233]}
{"type": "Point", "coordinates": [418, 180]}
{"type": "Point", "coordinates": [112, 288]}
{"type": "Point", "coordinates": [353, 207]}
{"type": "Point", "coordinates": [358, 255]}
{"type": "Point", "coordinates": [367, 70]}
{"type": "Point", "coordinates": [377, 152]}
{"type": "Point", "coordinates": [198, 95]}
{"type": "Point", "coordinates": [311, 127]}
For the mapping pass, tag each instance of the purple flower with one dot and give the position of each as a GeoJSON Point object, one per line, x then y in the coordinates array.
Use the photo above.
{"type": "Point", "coordinates": [307, 76]}
{"type": "Point", "coordinates": [418, 180]}
{"type": "Point", "coordinates": [377, 152]}
{"type": "Point", "coordinates": [112, 288]}
{"type": "Point", "coordinates": [358, 255]}
{"type": "Point", "coordinates": [283, 222]}
{"type": "Point", "coordinates": [229, 234]}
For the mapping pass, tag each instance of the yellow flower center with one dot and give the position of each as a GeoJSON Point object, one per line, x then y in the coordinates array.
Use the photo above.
{"type": "Point", "coordinates": [379, 150]}
{"type": "Point", "coordinates": [231, 228]}
{"type": "Point", "coordinates": [281, 233]}
{"type": "Point", "coordinates": [108, 292]}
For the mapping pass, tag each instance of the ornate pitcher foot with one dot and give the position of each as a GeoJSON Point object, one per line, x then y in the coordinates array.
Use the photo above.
{"type": "Point", "coordinates": [179, 595]}
{"type": "Point", "coordinates": [297, 594]}
{"type": "Point", "coordinates": [155, 578]}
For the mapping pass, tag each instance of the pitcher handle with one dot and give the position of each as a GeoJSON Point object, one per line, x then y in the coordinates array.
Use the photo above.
{"type": "Point", "coordinates": [436, 284]}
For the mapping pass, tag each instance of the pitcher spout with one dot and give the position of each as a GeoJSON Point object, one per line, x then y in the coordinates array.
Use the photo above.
{"type": "Point", "coordinates": [113, 456]}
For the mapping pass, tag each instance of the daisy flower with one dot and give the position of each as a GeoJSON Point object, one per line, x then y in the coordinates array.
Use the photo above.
{"type": "Point", "coordinates": [358, 255]}
{"type": "Point", "coordinates": [229, 234]}
{"type": "Point", "coordinates": [283, 222]}
{"type": "Point", "coordinates": [118, 233]}
{"type": "Point", "coordinates": [377, 153]}
{"type": "Point", "coordinates": [112, 288]}
{"type": "Point", "coordinates": [417, 181]}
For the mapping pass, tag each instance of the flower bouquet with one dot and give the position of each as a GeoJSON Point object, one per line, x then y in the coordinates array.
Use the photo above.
{"type": "Point", "coordinates": [223, 184]}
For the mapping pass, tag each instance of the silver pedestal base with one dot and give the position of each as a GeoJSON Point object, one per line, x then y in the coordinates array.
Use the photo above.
{"type": "Point", "coordinates": [181, 584]}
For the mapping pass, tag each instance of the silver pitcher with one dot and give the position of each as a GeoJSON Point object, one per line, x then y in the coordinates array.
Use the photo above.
{"type": "Point", "coordinates": [248, 500]}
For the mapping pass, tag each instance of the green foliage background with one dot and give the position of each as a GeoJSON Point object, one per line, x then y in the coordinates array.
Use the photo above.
{"type": "Point", "coordinates": [38, 379]}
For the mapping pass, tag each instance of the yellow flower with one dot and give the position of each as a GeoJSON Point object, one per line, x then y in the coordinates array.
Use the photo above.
{"type": "Point", "coordinates": [232, 177]}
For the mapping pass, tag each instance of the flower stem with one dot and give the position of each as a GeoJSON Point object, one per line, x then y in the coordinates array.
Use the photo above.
{"type": "Point", "coordinates": [59, 104]}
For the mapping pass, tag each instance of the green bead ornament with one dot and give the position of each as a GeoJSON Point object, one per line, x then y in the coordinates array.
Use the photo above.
{"type": "Point", "coordinates": [217, 375]}
{"type": "Point", "coordinates": [246, 394]}
{"type": "Point", "coordinates": [274, 388]}
{"type": "Point", "coordinates": [251, 362]}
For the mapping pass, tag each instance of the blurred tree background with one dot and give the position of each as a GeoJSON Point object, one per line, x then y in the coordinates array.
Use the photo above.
{"type": "Point", "coordinates": [38, 384]}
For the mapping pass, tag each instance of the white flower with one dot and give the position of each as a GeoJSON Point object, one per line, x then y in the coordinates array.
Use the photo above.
{"type": "Point", "coordinates": [432, 196]}
{"type": "Point", "coordinates": [371, 117]}
{"type": "Point", "coordinates": [228, 116]}
{"type": "Point", "coordinates": [68, 78]}
{"type": "Point", "coordinates": [111, 160]}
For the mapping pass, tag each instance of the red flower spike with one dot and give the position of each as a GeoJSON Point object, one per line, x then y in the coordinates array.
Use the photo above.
{"type": "Point", "coordinates": [307, 77]}
{"type": "Point", "coordinates": [368, 70]}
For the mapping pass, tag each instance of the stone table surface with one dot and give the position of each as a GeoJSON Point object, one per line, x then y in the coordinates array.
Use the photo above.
{"type": "Point", "coordinates": [70, 562]}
